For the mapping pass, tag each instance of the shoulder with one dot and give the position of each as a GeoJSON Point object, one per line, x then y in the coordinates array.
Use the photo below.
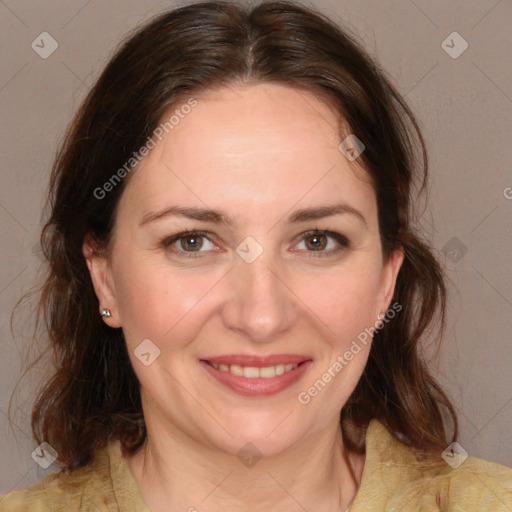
{"type": "Point", "coordinates": [87, 488]}
{"type": "Point", "coordinates": [477, 484]}
{"type": "Point", "coordinates": [469, 484]}
{"type": "Point", "coordinates": [405, 481]}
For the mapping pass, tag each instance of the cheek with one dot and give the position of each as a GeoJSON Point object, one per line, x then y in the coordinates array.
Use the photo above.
{"type": "Point", "coordinates": [344, 300]}
{"type": "Point", "coordinates": [154, 302]}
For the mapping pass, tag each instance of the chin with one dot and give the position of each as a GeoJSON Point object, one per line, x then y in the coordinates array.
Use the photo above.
{"type": "Point", "coordinates": [265, 434]}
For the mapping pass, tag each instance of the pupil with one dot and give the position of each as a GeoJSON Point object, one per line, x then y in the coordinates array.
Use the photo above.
{"type": "Point", "coordinates": [317, 241]}
{"type": "Point", "coordinates": [191, 242]}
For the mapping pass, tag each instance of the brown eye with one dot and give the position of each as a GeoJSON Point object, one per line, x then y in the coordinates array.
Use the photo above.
{"type": "Point", "coordinates": [316, 242]}
{"type": "Point", "coordinates": [323, 243]}
{"type": "Point", "coordinates": [191, 242]}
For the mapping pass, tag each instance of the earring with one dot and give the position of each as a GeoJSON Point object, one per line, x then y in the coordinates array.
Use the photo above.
{"type": "Point", "coordinates": [380, 323]}
{"type": "Point", "coordinates": [106, 312]}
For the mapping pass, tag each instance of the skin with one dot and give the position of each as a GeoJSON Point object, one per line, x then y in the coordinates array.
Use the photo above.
{"type": "Point", "coordinates": [257, 153]}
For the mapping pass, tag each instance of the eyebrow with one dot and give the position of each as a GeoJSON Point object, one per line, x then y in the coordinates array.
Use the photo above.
{"type": "Point", "coordinates": [320, 212]}
{"type": "Point", "coordinates": [217, 217]}
{"type": "Point", "coordinates": [190, 212]}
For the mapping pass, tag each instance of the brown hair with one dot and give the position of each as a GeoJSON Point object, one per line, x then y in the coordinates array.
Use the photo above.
{"type": "Point", "coordinates": [93, 396]}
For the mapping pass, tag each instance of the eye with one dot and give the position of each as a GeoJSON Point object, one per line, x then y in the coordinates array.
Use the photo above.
{"type": "Point", "coordinates": [189, 242]}
{"type": "Point", "coordinates": [317, 243]}
{"type": "Point", "coordinates": [323, 243]}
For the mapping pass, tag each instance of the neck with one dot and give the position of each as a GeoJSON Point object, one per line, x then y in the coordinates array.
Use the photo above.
{"type": "Point", "coordinates": [176, 472]}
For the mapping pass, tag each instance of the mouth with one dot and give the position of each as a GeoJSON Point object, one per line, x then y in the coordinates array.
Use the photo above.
{"type": "Point", "coordinates": [256, 375]}
{"type": "Point", "coordinates": [255, 372]}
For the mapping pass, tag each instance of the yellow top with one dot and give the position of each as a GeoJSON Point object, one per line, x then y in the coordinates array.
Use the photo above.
{"type": "Point", "coordinates": [392, 480]}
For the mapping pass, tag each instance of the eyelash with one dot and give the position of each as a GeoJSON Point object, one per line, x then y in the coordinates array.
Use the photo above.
{"type": "Point", "coordinates": [341, 239]}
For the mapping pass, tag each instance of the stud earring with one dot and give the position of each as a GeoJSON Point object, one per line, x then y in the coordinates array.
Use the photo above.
{"type": "Point", "coordinates": [380, 316]}
{"type": "Point", "coordinates": [106, 312]}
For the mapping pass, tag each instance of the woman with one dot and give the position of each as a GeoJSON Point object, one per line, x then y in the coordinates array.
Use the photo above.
{"type": "Point", "coordinates": [237, 295]}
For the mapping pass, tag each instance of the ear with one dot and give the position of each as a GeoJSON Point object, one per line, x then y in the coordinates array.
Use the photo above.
{"type": "Point", "coordinates": [389, 276]}
{"type": "Point", "coordinates": [102, 281]}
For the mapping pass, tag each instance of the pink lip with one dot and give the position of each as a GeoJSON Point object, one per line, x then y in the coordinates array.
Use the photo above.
{"type": "Point", "coordinates": [257, 386]}
{"type": "Point", "coordinates": [258, 361]}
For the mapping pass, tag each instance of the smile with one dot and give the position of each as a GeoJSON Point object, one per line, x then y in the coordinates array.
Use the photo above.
{"type": "Point", "coordinates": [253, 372]}
{"type": "Point", "coordinates": [256, 375]}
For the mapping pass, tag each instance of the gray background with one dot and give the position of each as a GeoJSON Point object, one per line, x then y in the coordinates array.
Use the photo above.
{"type": "Point", "coordinates": [464, 108]}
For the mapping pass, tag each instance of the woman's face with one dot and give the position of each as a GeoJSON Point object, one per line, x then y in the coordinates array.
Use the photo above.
{"type": "Point", "coordinates": [253, 171]}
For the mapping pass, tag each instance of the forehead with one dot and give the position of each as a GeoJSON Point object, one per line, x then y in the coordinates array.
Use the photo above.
{"type": "Point", "coordinates": [254, 146]}
{"type": "Point", "coordinates": [257, 121]}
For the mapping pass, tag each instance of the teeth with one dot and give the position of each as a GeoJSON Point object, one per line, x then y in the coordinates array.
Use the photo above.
{"type": "Point", "coordinates": [236, 370]}
{"type": "Point", "coordinates": [252, 372]}
{"type": "Point", "coordinates": [267, 372]}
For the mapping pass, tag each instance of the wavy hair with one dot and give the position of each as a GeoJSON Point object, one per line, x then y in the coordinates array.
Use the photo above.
{"type": "Point", "coordinates": [93, 394]}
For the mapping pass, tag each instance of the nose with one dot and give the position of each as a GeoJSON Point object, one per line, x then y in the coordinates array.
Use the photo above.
{"type": "Point", "coordinates": [260, 306]}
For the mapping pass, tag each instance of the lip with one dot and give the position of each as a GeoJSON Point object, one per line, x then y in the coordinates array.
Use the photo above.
{"type": "Point", "coordinates": [257, 386]}
{"type": "Point", "coordinates": [257, 361]}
